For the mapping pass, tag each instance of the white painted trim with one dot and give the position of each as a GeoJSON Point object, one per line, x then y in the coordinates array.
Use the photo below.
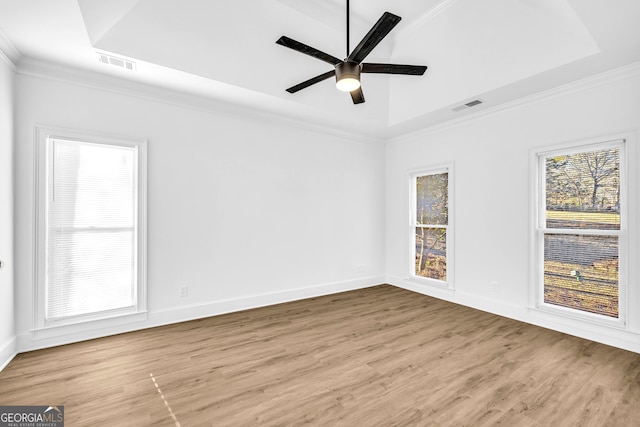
{"type": "Point", "coordinates": [413, 173]}
{"type": "Point", "coordinates": [591, 82]}
{"type": "Point", "coordinates": [633, 227]}
{"type": "Point", "coordinates": [40, 324]}
{"type": "Point", "coordinates": [25, 341]}
{"type": "Point", "coordinates": [54, 331]}
{"type": "Point", "coordinates": [8, 351]}
{"type": "Point", "coordinates": [421, 287]}
{"type": "Point", "coordinates": [627, 340]}
{"type": "Point", "coordinates": [37, 68]}
{"type": "Point", "coordinates": [621, 339]}
{"type": "Point", "coordinates": [538, 228]}
{"type": "Point", "coordinates": [32, 67]}
{"type": "Point", "coordinates": [4, 58]}
{"type": "Point", "coordinates": [214, 308]}
{"type": "Point", "coordinates": [8, 52]}
{"type": "Point", "coordinates": [424, 19]}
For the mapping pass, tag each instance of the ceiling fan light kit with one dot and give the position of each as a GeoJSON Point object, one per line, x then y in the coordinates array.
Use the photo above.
{"type": "Point", "coordinates": [348, 76]}
{"type": "Point", "coordinates": [347, 71]}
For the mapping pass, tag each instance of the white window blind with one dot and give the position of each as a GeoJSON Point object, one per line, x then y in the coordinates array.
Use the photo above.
{"type": "Point", "coordinates": [91, 228]}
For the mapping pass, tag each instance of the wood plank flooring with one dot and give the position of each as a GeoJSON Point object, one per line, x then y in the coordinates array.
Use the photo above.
{"type": "Point", "coordinates": [374, 357]}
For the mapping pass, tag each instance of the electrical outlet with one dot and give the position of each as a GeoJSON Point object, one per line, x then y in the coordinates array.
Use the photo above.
{"type": "Point", "coordinates": [184, 291]}
{"type": "Point", "coordinates": [495, 286]}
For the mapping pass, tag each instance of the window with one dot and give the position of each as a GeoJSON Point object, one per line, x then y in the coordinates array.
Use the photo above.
{"type": "Point", "coordinates": [91, 227]}
{"type": "Point", "coordinates": [430, 226]}
{"type": "Point", "coordinates": [581, 230]}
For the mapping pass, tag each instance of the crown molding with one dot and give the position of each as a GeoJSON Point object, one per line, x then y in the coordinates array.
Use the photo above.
{"type": "Point", "coordinates": [8, 52]}
{"type": "Point", "coordinates": [113, 84]}
{"type": "Point", "coordinates": [607, 77]}
{"type": "Point", "coordinates": [37, 68]}
{"type": "Point", "coordinates": [444, 5]}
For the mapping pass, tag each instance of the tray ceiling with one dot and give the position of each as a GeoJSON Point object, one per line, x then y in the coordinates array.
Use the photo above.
{"type": "Point", "coordinates": [493, 50]}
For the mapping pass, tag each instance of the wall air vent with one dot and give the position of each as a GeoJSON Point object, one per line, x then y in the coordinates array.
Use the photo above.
{"type": "Point", "coordinates": [117, 62]}
{"type": "Point", "coordinates": [468, 105]}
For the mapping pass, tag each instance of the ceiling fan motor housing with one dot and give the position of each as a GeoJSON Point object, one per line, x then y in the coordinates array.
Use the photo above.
{"type": "Point", "coordinates": [347, 70]}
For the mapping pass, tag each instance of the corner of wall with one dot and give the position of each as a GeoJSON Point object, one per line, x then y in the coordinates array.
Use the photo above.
{"type": "Point", "coordinates": [477, 144]}
{"type": "Point", "coordinates": [7, 141]}
{"type": "Point", "coordinates": [27, 341]}
{"type": "Point", "coordinates": [8, 351]}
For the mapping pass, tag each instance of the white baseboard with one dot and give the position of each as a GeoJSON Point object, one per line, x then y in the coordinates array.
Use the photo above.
{"type": "Point", "coordinates": [28, 341]}
{"type": "Point", "coordinates": [214, 308]}
{"type": "Point", "coordinates": [7, 352]}
{"type": "Point", "coordinates": [617, 338]}
{"type": "Point", "coordinates": [626, 340]}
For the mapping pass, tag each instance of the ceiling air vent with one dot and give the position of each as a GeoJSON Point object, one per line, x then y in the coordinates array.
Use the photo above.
{"type": "Point", "coordinates": [468, 105]}
{"type": "Point", "coordinates": [117, 62]}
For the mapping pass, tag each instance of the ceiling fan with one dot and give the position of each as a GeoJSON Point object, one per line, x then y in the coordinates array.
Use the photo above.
{"type": "Point", "coordinates": [348, 71]}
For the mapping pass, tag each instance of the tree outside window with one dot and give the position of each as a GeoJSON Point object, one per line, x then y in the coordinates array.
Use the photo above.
{"type": "Point", "coordinates": [431, 221]}
{"type": "Point", "coordinates": [581, 229]}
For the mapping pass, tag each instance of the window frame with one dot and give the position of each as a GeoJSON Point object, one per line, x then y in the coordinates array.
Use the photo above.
{"type": "Point", "coordinates": [51, 327]}
{"type": "Point", "coordinates": [539, 230]}
{"type": "Point", "coordinates": [449, 227]}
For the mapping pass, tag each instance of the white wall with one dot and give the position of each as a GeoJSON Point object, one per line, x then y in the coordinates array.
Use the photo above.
{"type": "Point", "coordinates": [7, 332]}
{"type": "Point", "coordinates": [491, 153]}
{"type": "Point", "coordinates": [248, 210]}
{"type": "Point", "coordinates": [244, 209]}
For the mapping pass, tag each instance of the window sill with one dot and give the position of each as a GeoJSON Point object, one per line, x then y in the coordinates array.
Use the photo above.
{"type": "Point", "coordinates": [52, 331]}
{"type": "Point", "coordinates": [430, 284]}
{"type": "Point", "coordinates": [572, 315]}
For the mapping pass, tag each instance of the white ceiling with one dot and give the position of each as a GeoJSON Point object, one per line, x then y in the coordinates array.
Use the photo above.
{"type": "Point", "coordinates": [495, 50]}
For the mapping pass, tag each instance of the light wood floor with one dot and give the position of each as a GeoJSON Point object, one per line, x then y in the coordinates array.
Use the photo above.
{"type": "Point", "coordinates": [374, 357]}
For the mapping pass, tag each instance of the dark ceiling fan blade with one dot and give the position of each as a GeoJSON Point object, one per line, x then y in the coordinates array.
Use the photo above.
{"type": "Point", "coordinates": [316, 79]}
{"type": "Point", "coordinates": [375, 35]}
{"type": "Point", "coordinates": [357, 96]}
{"type": "Point", "coordinates": [308, 50]}
{"type": "Point", "coordinates": [411, 70]}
